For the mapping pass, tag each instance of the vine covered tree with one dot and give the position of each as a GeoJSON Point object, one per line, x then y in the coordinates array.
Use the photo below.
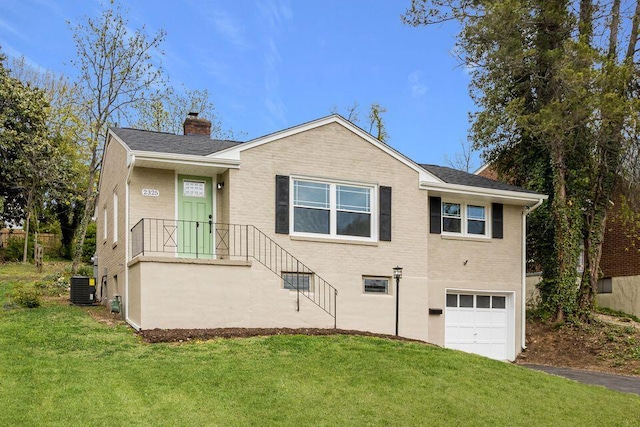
{"type": "Point", "coordinates": [554, 82]}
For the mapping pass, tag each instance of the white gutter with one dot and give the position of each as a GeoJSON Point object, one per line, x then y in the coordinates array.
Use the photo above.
{"type": "Point", "coordinates": [132, 163]}
{"type": "Point", "coordinates": [480, 191]}
{"type": "Point", "coordinates": [527, 210]}
{"type": "Point", "coordinates": [185, 159]}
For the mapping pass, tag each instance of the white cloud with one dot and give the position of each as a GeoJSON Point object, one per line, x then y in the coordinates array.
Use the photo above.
{"type": "Point", "coordinates": [8, 28]}
{"type": "Point", "coordinates": [416, 84]}
{"type": "Point", "coordinates": [276, 15]}
{"type": "Point", "coordinates": [229, 28]}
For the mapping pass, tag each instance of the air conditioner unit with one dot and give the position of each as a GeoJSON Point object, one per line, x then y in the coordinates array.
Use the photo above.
{"type": "Point", "coordinates": [83, 290]}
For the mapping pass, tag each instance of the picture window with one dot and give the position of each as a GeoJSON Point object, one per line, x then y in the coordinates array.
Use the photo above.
{"type": "Point", "coordinates": [335, 210]}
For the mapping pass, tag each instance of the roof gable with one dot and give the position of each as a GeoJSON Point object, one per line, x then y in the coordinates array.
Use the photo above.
{"type": "Point", "coordinates": [234, 152]}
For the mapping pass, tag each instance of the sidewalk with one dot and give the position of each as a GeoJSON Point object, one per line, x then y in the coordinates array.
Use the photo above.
{"type": "Point", "coordinates": [622, 383]}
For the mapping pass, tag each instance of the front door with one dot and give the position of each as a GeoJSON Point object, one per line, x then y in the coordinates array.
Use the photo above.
{"type": "Point", "coordinates": [195, 213]}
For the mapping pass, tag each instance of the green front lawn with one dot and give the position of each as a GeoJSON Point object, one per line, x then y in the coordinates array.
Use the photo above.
{"type": "Point", "coordinates": [58, 366]}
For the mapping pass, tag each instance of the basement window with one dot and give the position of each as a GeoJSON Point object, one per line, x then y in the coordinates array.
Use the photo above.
{"type": "Point", "coordinates": [297, 281]}
{"type": "Point", "coordinates": [605, 286]}
{"type": "Point", "coordinates": [376, 285]}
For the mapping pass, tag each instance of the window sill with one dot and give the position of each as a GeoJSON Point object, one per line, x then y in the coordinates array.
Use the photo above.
{"type": "Point", "coordinates": [330, 240]}
{"type": "Point", "coordinates": [466, 238]}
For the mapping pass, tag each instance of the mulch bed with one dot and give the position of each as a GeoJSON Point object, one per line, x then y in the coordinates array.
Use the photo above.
{"type": "Point", "coordinates": [185, 335]}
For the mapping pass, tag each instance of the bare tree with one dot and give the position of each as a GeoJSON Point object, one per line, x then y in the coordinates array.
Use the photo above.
{"type": "Point", "coordinates": [117, 70]}
{"type": "Point", "coordinates": [462, 160]}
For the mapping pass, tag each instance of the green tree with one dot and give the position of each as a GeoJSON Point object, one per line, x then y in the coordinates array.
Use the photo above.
{"type": "Point", "coordinates": [556, 114]}
{"type": "Point", "coordinates": [64, 200]}
{"type": "Point", "coordinates": [29, 157]}
{"type": "Point", "coordinates": [117, 72]}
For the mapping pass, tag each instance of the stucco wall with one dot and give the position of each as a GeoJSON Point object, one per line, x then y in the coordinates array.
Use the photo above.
{"type": "Point", "coordinates": [625, 295]}
{"type": "Point", "coordinates": [180, 293]}
{"type": "Point", "coordinates": [135, 302]}
{"type": "Point", "coordinates": [111, 255]}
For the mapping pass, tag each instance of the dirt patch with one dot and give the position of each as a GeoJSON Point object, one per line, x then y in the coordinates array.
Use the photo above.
{"type": "Point", "coordinates": [102, 314]}
{"type": "Point", "coordinates": [184, 335]}
{"type": "Point", "coordinates": [607, 345]}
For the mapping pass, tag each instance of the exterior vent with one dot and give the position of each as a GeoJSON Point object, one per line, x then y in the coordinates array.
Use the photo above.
{"type": "Point", "coordinates": [83, 290]}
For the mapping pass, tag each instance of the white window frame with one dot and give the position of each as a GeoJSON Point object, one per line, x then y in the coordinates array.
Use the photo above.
{"type": "Point", "coordinates": [464, 218]}
{"type": "Point", "coordinates": [364, 288]}
{"type": "Point", "coordinates": [115, 217]}
{"type": "Point", "coordinates": [333, 216]}
{"type": "Point", "coordinates": [105, 230]}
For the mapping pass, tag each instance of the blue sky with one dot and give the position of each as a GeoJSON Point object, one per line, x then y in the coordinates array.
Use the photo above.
{"type": "Point", "coordinates": [273, 64]}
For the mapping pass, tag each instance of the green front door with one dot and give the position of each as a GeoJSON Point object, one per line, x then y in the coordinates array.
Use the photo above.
{"type": "Point", "coordinates": [195, 212]}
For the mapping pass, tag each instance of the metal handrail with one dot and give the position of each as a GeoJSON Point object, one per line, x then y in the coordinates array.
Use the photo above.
{"type": "Point", "coordinates": [232, 241]}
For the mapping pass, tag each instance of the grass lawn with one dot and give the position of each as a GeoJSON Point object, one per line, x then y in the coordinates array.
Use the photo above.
{"type": "Point", "coordinates": [58, 366]}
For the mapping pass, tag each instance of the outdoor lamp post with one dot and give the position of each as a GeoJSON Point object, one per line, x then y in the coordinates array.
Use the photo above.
{"type": "Point", "coordinates": [397, 274]}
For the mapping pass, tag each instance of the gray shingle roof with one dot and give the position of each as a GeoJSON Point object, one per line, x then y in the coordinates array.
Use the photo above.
{"type": "Point", "coordinates": [454, 176]}
{"type": "Point", "coordinates": [160, 142]}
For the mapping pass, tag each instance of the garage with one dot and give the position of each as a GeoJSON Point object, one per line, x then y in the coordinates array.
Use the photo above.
{"type": "Point", "coordinates": [480, 323]}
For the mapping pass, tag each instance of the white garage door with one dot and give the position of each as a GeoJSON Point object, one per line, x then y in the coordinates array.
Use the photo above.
{"type": "Point", "coordinates": [478, 323]}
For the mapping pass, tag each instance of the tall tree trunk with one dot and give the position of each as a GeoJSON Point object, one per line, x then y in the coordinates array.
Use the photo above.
{"type": "Point", "coordinates": [26, 237]}
{"type": "Point", "coordinates": [87, 213]}
{"type": "Point", "coordinates": [609, 159]}
{"type": "Point", "coordinates": [30, 197]}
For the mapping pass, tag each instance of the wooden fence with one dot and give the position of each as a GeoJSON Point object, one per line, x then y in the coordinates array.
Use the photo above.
{"type": "Point", "coordinates": [49, 241]}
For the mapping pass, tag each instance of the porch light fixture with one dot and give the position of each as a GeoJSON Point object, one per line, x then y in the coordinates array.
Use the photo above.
{"type": "Point", "coordinates": [220, 185]}
{"type": "Point", "coordinates": [397, 274]}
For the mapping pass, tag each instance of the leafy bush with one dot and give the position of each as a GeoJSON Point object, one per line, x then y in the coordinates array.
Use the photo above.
{"type": "Point", "coordinates": [85, 270]}
{"type": "Point", "coordinates": [27, 296]}
{"type": "Point", "coordinates": [53, 285]}
{"type": "Point", "coordinates": [14, 249]}
{"type": "Point", "coordinates": [89, 247]}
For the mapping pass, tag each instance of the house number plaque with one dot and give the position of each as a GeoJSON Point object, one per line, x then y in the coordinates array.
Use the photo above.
{"type": "Point", "coordinates": [150, 192]}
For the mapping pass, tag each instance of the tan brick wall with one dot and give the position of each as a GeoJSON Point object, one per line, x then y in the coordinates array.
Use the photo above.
{"type": "Point", "coordinates": [161, 207]}
{"type": "Point", "coordinates": [332, 152]}
{"type": "Point", "coordinates": [111, 256]}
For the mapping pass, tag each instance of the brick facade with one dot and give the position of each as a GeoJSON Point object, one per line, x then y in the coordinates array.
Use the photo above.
{"type": "Point", "coordinates": [621, 248]}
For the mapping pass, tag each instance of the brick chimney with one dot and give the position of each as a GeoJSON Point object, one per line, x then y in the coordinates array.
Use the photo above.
{"type": "Point", "coordinates": [195, 126]}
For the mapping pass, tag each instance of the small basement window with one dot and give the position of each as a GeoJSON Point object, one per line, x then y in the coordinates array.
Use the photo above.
{"type": "Point", "coordinates": [297, 281]}
{"type": "Point", "coordinates": [376, 285]}
{"type": "Point", "coordinates": [605, 286]}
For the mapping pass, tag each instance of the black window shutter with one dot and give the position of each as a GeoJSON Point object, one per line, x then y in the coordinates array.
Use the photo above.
{"type": "Point", "coordinates": [496, 224]}
{"type": "Point", "coordinates": [435, 212]}
{"type": "Point", "coordinates": [385, 214]}
{"type": "Point", "coordinates": [282, 204]}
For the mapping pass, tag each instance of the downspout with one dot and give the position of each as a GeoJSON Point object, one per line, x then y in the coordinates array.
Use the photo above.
{"type": "Point", "coordinates": [132, 162]}
{"type": "Point", "coordinates": [527, 210]}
